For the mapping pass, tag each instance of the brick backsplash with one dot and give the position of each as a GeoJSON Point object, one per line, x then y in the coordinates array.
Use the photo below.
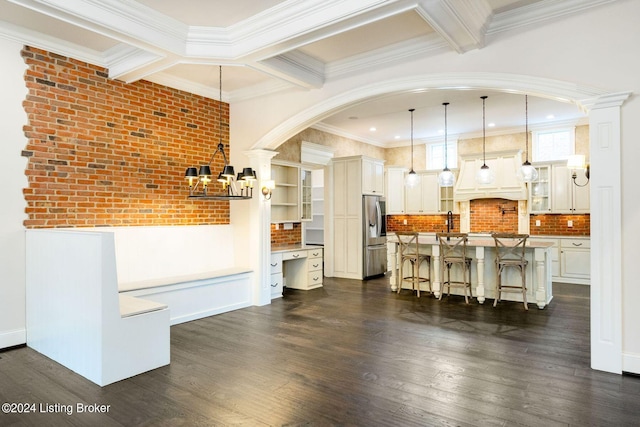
{"type": "Point", "coordinates": [286, 237]}
{"type": "Point", "coordinates": [493, 215]}
{"type": "Point", "coordinates": [421, 223]}
{"type": "Point", "coordinates": [103, 152]}
{"type": "Point", "coordinates": [556, 225]}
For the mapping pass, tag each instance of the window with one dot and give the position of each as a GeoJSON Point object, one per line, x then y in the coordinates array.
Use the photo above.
{"type": "Point", "coordinates": [435, 155]}
{"type": "Point", "coordinates": [556, 144]}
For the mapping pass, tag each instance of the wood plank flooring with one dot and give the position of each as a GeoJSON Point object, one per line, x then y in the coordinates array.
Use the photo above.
{"type": "Point", "coordinates": [352, 353]}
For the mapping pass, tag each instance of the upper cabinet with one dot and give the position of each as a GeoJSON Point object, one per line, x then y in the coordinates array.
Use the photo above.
{"type": "Point", "coordinates": [424, 197]}
{"type": "Point", "coordinates": [372, 176]}
{"type": "Point", "coordinates": [540, 190]}
{"type": "Point", "coordinates": [567, 197]}
{"type": "Point", "coordinates": [506, 184]}
{"type": "Point", "coordinates": [291, 198]}
{"type": "Point", "coordinates": [394, 190]}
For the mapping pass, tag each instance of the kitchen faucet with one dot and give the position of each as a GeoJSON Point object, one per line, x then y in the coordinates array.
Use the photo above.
{"type": "Point", "coordinates": [449, 222]}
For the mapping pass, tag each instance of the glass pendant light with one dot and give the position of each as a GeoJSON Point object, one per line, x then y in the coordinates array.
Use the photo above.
{"type": "Point", "coordinates": [484, 175]}
{"type": "Point", "coordinates": [446, 178]}
{"type": "Point", "coordinates": [412, 177]}
{"type": "Point", "coordinates": [527, 173]}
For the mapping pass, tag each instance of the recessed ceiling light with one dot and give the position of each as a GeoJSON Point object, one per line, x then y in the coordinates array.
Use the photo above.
{"type": "Point", "coordinates": [397, 137]}
{"type": "Point", "coordinates": [372, 129]}
{"type": "Point", "coordinates": [353, 118]}
{"type": "Point", "coordinates": [441, 131]}
{"type": "Point", "coordinates": [550, 116]}
{"type": "Point", "coordinates": [491, 125]}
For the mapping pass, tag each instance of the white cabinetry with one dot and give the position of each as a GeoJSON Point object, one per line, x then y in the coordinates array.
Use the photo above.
{"type": "Point", "coordinates": [566, 196]}
{"type": "Point", "coordinates": [540, 190]}
{"type": "Point", "coordinates": [570, 259]}
{"type": "Point", "coordinates": [424, 197]}
{"type": "Point", "coordinates": [291, 199]}
{"type": "Point", "coordinates": [372, 176]}
{"type": "Point", "coordinates": [575, 260]}
{"type": "Point", "coordinates": [395, 190]}
{"type": "Point", "coordinates": [347, 238]}
{"type": "Point", "coordinates": [276, 275]}
{"type": "Point", "coordinates": [504, 164]}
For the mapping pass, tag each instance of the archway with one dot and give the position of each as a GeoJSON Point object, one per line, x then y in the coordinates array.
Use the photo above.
{"type": "Point", "coordinates": [603, 109]}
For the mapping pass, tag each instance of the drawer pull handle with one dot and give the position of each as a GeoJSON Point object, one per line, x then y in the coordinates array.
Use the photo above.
{"type": "Point", "coordinates": [295, 255]}
{"type": "Point", "coordinates": [315, 279]}
{"type": "Point", "coordinates": [316, 253]}
{"type": "Point", "coordinates": [315, 265]}
{"type": "Point", "coordinates": [273, 265]}
{"type": "Point", "coordinates": [275, 285]}
{"type": "Point", "coordinates": [576, 244]}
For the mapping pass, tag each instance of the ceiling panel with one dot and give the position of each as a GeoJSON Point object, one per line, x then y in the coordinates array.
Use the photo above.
{"type": "Point", "coordinates": [233, 77]}
{"type": "Point", "coordinates": [369, 37]}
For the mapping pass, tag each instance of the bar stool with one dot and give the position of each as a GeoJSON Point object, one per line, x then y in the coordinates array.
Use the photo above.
{"type": "Point", "coordinates": [453, 251]}
{"type": "Point", "coordinates": [510, 250]}
{"type": "Point", "coordinates": [408, 243]}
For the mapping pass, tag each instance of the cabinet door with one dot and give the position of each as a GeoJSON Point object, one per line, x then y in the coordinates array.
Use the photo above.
{"type": "Point", "coordinates": [395, 191]}
{"type": "Point", "coordinates": [561, 195]}
{"type": "Point", "coordinates": [539, 191]}
{"type": "Point", "coordinates": [430, 193]}
{"type": "Point", "coordinates": [575, 263]}
{"type": "Point", "coordinates": [378, 177]}
{"type": "Point", "coordinates": [306, 210]}
{"type": "Point", "coordinates": [372, 177]}
{"type": "Point", "coordinates": [581, 195]}
{"type": "Point", "coordinates": [413, 198]}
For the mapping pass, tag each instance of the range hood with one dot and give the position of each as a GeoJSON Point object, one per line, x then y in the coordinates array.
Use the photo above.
{"type": "Point", "coordinates": [504, 164]}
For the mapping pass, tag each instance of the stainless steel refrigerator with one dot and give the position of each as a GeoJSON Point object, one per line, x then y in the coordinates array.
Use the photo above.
{"type": "Point", "coordinates": [374, 229]}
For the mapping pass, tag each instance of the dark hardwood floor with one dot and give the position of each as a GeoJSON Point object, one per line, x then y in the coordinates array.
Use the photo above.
{"type": "Point", "coordinates": [352, 353]}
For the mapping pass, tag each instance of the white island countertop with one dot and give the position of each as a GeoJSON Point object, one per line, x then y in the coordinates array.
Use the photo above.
{"type": "Point", "coordinates": [482, 250]}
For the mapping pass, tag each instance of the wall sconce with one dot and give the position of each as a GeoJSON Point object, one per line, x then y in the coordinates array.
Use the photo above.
{"type": "Point", "coordinates": [267, 186]}
{"type": "Point", "coordinates": [578, 162]}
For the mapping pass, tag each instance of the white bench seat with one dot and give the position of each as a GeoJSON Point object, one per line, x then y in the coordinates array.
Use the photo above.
{"type": "Point", "coordinates": [132, 306]}
{"type": "Point", "coordinates": [182, 279]}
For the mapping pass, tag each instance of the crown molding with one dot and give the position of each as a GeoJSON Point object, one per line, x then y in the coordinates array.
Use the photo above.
{"type": "Point", "coordinates": [537, 12]}
{"type": "Point", "coordinates": [52, 44]}
{"type": "Point", "coordinates": [179, 83]}
{"type": "Point", "coordinates": [297, 68]}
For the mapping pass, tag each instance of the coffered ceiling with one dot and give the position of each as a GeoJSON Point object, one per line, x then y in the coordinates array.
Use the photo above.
{"type": "Point", "coordinates": [266, 46]}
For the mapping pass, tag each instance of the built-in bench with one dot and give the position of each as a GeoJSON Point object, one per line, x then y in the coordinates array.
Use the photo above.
{"type": "Point", "coordinates": [100, 301]}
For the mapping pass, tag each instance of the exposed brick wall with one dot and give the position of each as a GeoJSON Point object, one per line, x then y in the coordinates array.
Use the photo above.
{"type": "Point", "coordinates": [102, 152]}
{"type": "Point", "coordinates": [286, 237]}
{"type": "Point", "coordinates": [493, 215]}
{"type": "Point", "coordinates": [556, 225]}
{"type": "Point", "coordinates": [421, 223]}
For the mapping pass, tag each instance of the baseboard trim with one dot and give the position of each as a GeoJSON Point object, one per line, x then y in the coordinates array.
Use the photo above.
{"type": "Point", "coordinates": [631, 363]}
{"type": "Point", "coordinates": [13, 338]}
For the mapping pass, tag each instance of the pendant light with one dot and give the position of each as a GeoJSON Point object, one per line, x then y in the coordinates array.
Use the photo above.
{"type": "Point", "coordinates": [527, 173]}
{"type": "Point", "coordinates": [484, 175]}
{"type": "Point", "coordinates": [446, 178]}
{"type": "Point", "coordinates": [412, 177]}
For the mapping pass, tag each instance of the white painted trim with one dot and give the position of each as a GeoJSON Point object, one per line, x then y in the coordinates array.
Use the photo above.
{"type": "Point", "coordinates": [631, 363]}
{"type": "Point", "coordinates": [13, 338]}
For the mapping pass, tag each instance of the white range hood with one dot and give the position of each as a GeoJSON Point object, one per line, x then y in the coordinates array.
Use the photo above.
{"type": "Point", "coordinates": [504, 164]}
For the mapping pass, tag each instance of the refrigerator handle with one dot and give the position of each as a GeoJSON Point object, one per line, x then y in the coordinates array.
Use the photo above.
{"type": "Point", "coordinates": [379, 221]}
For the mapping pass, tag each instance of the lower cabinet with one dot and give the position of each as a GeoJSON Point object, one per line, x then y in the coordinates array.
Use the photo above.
{"type": "Point", "coordinates": [277, 280]}
{"type": "Point", "coordinates": [570, 259]}
{"type": "Point", "coordinates": [296, 269]}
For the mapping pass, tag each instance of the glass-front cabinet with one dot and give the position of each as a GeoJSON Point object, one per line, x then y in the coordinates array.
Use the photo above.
{"type": "Point", "coordinates": [306, 211]}
{"type": "Point", "coordinates": [540, 190]}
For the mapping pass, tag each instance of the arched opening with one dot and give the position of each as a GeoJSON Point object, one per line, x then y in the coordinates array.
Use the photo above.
{"type": "Point", "coordinates": [603, 109]}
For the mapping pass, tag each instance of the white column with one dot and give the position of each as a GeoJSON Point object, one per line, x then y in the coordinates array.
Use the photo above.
{"type": "Point", "coordinates": [606, 230]}
{"type": "Point", "coordinates": [435, 260]}
{"type": "Point", "coordinates": [256, 244]}
{"type": "Point", "coordinates": [541, 260]}
{"type": "Point", "coordinates": [480, 270]}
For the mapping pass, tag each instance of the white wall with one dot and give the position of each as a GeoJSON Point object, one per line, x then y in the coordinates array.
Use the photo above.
{"type": "Point", "coordinates": [12, 204]}
{"type": "Point", "coordinates": [589, 54]}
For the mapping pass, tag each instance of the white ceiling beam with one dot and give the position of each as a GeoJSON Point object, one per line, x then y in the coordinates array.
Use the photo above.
{"type": "Point", "coordinates": [462, 24]}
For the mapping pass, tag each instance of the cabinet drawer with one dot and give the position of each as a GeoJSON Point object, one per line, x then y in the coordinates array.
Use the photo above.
{"type": "Point", "coordinates": [314, 279]}
{"type": "Point", "coordinates": [294, 255]}
{"type": "Point", "coordinates": [276, 285]}
{"type": "Point", "coordinates": [276, 263]}
{"type": "Point", "coordinates": [314, 264]}
{"type": "Point", "coordinates": [315, 253]}
{"type": "Point", "coordinates": [576, 243]}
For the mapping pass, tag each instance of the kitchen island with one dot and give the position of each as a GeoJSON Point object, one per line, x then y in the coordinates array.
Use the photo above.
{"type": "Point", "coordinates": [481, 248]}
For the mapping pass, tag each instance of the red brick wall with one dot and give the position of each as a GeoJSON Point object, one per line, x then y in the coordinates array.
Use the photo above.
{"type": "Point", "coordinates": [421, 223]}
{"type": "Point", "coordinates": [102, 152]}
{"type": "Point", "coordinates": [556, 225]}
{"type": "Point", "coordinates": [286, 237]}
{"type": "Point", "coordinates": [493, 215]}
